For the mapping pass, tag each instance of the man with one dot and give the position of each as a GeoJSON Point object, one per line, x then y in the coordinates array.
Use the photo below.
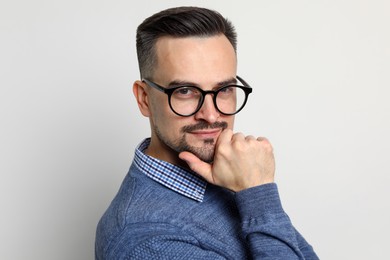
{"type": "Point", "coordinates": [196, 190]}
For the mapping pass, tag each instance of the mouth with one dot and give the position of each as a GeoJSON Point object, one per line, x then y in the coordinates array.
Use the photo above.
{"type": "Point", "coordinates": [207, 133]}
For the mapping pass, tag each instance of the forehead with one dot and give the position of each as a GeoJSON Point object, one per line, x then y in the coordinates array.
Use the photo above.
{"type": "Point", "coordinates": [195, 59]}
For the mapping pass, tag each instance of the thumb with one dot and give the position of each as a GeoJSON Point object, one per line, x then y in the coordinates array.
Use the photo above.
{"type": "Point", "coordinates": [200, 167]}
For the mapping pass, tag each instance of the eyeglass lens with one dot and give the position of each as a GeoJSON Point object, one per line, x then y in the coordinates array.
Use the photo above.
{"type": "Point", "coordinates": [187, 100]}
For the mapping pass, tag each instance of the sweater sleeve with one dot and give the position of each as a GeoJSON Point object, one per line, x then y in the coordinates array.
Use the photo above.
{"type": "Point", "coordinates": [267, 228]}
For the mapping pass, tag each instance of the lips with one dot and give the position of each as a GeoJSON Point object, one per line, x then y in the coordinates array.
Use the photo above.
{"type": "Point", "coordinates": [207, 133]}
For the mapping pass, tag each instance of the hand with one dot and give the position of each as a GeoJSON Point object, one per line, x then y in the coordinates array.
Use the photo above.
{"type": "Point", "coordinates": [239, 162]}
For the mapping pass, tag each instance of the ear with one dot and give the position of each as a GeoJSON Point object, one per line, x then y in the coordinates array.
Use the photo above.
{"type": "Point", "coordinates": [141, 95]}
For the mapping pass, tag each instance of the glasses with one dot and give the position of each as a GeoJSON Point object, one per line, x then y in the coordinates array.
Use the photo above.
{"type": "Point", "coordinates": [187, 100]}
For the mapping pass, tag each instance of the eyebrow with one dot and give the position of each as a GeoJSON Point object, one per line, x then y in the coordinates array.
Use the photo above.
{"type": "Point", "coordinates": [176, 83]}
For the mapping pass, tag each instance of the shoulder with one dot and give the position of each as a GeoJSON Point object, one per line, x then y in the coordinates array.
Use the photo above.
{"type": "Point", "coordinates": [140, 204]}
{"type": "Point", "coordinates": [145, 211]}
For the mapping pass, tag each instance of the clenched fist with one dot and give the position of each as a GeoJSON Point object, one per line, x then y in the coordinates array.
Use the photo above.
{"type": "Point", "coordinates": [240, 162]}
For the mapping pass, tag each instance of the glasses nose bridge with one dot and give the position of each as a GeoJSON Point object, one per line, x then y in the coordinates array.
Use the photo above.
{"type": "Point", "coordinates": [212, 93]}
{"type": "Point", "coordinates": [206, 92]}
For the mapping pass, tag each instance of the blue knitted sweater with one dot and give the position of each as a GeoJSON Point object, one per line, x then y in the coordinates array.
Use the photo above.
{"type": "Point", "coordinates": [146, 220]}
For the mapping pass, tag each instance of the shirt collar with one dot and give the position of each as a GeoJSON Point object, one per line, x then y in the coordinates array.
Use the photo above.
{"type": "Point", "coordinates": [171, 176]}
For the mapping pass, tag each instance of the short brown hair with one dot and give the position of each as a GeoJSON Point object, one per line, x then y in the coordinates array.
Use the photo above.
{"type": "Point", "coordinates": [178, 22]}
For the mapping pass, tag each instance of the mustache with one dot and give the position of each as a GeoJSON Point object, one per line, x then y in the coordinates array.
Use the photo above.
{"type": "Point", "coordinates": [203, 125]}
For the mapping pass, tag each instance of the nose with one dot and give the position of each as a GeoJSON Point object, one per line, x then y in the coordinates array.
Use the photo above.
{"type": "Point", "coordinates": [208, 112]}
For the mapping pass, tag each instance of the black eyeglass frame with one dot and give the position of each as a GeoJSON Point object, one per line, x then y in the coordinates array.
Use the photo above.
{"type": "Point", "coordinates": [246, 88]}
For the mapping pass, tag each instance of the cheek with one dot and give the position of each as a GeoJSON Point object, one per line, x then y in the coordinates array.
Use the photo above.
{"type": "Point", "coordinates": [164, 119]}
{"type": "Point", "coordinates": [159, 110]}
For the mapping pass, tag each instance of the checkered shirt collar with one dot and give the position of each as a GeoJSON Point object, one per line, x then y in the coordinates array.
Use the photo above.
{"type": "Point", "coordinates": [173, 177]}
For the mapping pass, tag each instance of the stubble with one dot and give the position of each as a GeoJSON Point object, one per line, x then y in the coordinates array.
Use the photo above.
{"type": "Point", "coordinates": [204, 152]}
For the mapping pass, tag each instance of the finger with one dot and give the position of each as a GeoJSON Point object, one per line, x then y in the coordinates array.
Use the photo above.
{"type": "Point", "coordinates": [198, 166]}
{"type": "Point", "coordinates": [238, 137]}
{"type": "Point", "coordinates": [250, 137]}
{"type": "Point", "coordinates": [264, 141]}
{"type": "Point", "coordinates": [225, 136]}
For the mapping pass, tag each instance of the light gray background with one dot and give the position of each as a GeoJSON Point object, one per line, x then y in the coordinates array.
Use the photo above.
{"type": "Point", "coordinates": [69, 123]}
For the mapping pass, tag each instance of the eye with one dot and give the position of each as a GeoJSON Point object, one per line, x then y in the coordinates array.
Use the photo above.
{"type": "Point", "coordinates": [186, 92]}
{"type": "Point", "coordinates": [227, 90]}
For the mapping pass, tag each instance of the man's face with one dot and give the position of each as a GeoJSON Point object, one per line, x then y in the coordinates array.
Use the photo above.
{"type": "Point", "coordinates": [205, 62]}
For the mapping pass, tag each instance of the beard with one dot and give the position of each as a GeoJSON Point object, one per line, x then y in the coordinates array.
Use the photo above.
{"type": "Point", "coordinates": [205, 152]}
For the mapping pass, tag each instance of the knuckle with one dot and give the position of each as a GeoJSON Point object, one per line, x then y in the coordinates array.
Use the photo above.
{"type": "Point", "coordinates": [265, 144]}
{"type": "Point", "coordinates": [238, 135]}
{"type": "Point", "coordinates": [250, 137]}
{"type": "Point", "coordinates": [269, 147]}
{"type": "Point", "coordinates": [238, 146]}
